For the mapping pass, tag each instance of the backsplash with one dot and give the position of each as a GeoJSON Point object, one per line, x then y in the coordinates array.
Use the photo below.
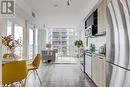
{"type": "Point", "coordinates": [98, 41]}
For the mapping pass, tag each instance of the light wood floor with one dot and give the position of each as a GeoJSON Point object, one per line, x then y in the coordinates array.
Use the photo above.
{"type": "Point", "coordinates": [59, 75]}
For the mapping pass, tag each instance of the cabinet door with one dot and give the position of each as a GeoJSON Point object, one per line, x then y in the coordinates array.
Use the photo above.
{"type": "Point", "coordinates": [94, 68]}
{"type": "Point", "coordinates": [98, 71]}
{"type": "Point", "coordinates": [102, 17]}
{"type": "Point", "coordinates": [88, 65]}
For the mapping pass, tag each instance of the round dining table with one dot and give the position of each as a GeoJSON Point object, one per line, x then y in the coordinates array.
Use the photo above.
{"type": "Point", "coordinates": [6, 60]}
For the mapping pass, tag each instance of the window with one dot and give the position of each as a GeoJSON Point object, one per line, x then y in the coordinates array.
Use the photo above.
{"type": "Point", "coordinates": [36, 41]}
{"type": "Point", "coordinates": [9, 28]}
{"type": "Point", "coordinates": [31, 43]}
{"type": "Point", "coordinates": [18, 35]}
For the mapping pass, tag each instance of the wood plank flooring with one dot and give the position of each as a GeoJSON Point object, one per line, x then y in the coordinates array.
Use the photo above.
{"type": "Point", "coordinates": [59, 75]}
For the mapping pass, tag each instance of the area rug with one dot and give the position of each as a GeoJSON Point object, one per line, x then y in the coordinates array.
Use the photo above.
{"type": "Point", "coordinates": [66, 60]}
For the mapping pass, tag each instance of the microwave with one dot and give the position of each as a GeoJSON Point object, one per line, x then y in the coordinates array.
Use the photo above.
{"type": "Point", "coordinates": [91, 31]}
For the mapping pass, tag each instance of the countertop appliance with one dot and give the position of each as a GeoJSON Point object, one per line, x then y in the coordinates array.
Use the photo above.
{"type": "Point", "coordinates": [102, 49]}
{"type": "Point", "coordinates": [118, 48]}
{"type": "Point", "coordinates": [90, 31]}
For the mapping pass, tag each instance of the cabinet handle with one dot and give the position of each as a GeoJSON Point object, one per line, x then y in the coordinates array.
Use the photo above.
{"type": "Point", "coordinates": [89, 55]}
{"type": "Point", "coordinates": [100, 58]}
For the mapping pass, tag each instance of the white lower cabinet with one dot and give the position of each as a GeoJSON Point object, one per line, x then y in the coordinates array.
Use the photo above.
{"type": "Point", "coordinates": [98, 70]}
{"type": "Point", "coordinates": [88, 65]}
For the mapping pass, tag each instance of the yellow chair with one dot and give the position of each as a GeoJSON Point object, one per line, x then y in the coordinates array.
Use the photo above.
{"type": "Point", "coordinates": [13, 72]}
{"type": "Point", "coordinates": [35, 65]}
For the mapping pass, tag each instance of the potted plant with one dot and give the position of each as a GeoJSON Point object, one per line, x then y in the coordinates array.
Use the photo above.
{"type": "Point", "coordinates": [78, 44]}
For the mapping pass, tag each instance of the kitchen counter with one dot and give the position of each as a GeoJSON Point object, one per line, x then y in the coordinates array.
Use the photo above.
{"type": "Point", "coordinates": [95, 53]}
{"type": "Point", "coordinates": [99, 54]}
{"type": "Point", "coordinates": [90, 60]}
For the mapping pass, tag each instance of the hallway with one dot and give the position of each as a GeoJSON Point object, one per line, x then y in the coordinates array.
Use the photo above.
{"type": "Point", "coordinates": [59, 75]}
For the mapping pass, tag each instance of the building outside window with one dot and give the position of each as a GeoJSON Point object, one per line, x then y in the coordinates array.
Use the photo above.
{"type": "Point", "coordinates": [62, 39]}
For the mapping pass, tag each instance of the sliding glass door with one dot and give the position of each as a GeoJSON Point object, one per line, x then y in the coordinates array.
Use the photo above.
{"type": "Point", "coordinates": [36, 41]}
{"type": "Point", "coordinates": [31, 43]}
{"type": "Point", "coordinates": [18, 35]}
{"type": "Point", "coordinates": [9, 28]}
{"type": "Point", "coordinates": [17, 32]}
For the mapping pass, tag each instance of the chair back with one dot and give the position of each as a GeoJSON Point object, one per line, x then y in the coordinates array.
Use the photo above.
{"type": "Point", "coordinates": [36, 61]}
{"type": "Point", "coordinates": [14, 71]}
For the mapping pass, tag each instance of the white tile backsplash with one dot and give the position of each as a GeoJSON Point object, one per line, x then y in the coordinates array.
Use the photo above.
{"type": "Point", "coordinates": [98, 41]}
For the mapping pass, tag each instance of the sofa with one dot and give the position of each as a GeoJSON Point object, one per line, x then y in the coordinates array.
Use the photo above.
{"type": "Point", "coordinates": [48, 55]}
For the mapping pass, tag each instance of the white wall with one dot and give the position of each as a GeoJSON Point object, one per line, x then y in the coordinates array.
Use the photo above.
{"type": "Point", "coordinates": [2, 32]}
{"type": "Point", "coordinates": [41, 40]}
{"type": "Point", "coordinates": [3, 23]}
{"type": "Point", "coordinates": [90, 7]}
{"type": "Point", "coordinates": [24, 11]}
{"type": "Point", "coordinates": [25, 39]}
{"type": "Point", "coordinates": [81, 31]}
{"type": "Point", "coordinates": [1, 29]}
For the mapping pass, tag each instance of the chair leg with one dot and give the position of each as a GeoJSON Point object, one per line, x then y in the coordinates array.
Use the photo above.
{"type": "Point", "coordinates": [38, 77]}
{"type": "Point", "coordinates": [29, 74]}
{"type": "Point", "coordinates": [21, 83]}
{"type": "Point", "coordinates": [24, 84]}
{"type": "Point", "coordinates": [6, 85]}
{"type": "Point", "coordinates": [11, 85]}
{"type": "Point", "coordinates": [3, 85]}
{"type": "Point", "coordinates": [34, 73]}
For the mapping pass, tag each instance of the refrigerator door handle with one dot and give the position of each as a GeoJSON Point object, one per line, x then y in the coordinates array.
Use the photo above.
{"type": "Point", "coordinates": [118, 65]}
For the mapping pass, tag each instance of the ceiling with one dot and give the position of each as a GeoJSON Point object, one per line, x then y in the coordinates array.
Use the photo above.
{"type": "Point", "coordinates": [56, 13]}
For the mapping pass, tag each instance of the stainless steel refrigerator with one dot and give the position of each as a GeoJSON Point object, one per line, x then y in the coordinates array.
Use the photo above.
{"type": "Point", "coordinates": [118, 44]}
